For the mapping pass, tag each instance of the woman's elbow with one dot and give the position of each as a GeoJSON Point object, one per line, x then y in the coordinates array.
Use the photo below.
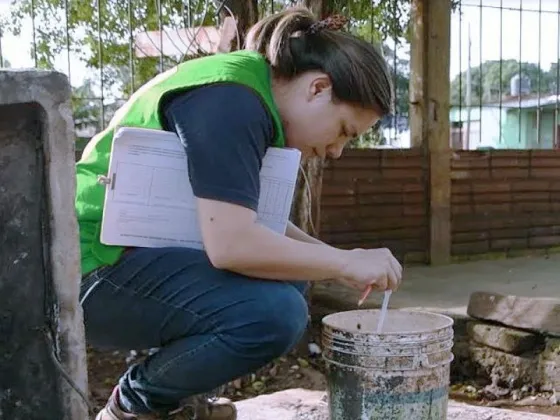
{"type": "Point", "coordinates": [221, 255]}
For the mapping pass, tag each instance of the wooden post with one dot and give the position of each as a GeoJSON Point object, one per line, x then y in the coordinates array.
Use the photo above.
{"type": "Point", "coordinates": [321, 8]}
{"type": "Point", "coordinates": [417, 77]}
{"type": "Point", "coordinates": [429, 114]}
{"type": "Point", "coordinates": [246, 13]}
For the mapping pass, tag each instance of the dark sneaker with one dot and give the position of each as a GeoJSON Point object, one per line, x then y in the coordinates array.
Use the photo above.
{"type": "Point", "coordinates": [203, 408]}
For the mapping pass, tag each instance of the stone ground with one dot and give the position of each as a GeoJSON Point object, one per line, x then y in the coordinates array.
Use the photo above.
{"type": "Point", "coordinates": [299, 404]}
{"type": "Point", "coordinates": [444, 289]}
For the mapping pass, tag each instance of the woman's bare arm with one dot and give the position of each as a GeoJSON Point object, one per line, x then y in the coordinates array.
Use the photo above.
{"type": "Point", "coordinates": [235, 241]}
{"type": "Point", "coordinates": [294, 232]}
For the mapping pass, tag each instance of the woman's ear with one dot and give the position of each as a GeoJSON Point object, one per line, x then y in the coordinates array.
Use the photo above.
{"type": "Point", "coordinates": [320, 86]}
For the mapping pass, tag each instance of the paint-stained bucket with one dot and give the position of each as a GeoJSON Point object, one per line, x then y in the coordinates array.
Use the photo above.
{"type": "Point", "coordinates": [400, 374]}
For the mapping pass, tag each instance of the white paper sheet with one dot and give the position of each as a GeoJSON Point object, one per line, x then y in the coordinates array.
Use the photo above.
{"type": "Point", "coordinates": [150, 202]}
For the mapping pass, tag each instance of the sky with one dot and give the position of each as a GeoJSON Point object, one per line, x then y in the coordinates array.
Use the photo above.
{"type": "Point", "coordinates": [518, 36]}
{"type": "Point", "coordinates": [17, 50]}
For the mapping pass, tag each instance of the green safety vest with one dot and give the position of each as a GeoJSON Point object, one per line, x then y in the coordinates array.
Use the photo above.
{"type": "Point", "coordinates": [143, 110]}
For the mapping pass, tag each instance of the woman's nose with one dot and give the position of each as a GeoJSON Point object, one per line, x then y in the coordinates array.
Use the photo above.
{"type": "Point", "coordinates": [334, 151]}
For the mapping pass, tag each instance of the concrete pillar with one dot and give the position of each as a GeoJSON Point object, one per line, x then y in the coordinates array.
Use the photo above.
{"type": "Point", "coordinates": [41, 324]}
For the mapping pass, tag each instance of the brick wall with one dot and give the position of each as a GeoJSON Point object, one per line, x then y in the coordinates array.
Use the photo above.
{"type": "Point", "coordinates": [505, 201]}
{"type": "Point", "coordinates": [376, 198]}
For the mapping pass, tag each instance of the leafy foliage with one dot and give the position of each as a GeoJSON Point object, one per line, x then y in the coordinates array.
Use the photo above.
{"type": "Point", "coordinates": [101, 33]}
{"type": "Point", "coordinates": [491, 80]}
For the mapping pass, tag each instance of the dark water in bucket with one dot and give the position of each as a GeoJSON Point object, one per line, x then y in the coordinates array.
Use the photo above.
{"type": "Point", "coordinates": [400, 374]}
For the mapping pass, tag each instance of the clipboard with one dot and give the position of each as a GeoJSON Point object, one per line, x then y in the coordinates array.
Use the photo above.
{"type": "Point", "coordinates": [149, 201]}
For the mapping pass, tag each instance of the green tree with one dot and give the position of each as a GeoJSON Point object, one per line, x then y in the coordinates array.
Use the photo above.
{"type": "Point", "coordinates": [492, 79]}
{"type": "Point", "coordinates": [101, 34]}
{"type": "Point", "coordinates": [400, 66]}
{"type": "Point", "coordinates": [87, 107]}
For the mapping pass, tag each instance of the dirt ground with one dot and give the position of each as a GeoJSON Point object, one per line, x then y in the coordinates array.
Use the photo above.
{"type": "Point", "coordinates": [284, 373]}
{"type": "Point", "coordinates": [294, 371]}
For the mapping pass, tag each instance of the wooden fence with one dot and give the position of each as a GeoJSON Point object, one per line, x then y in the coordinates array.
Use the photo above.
{"type": "Point", "coordinates": [503, 202]}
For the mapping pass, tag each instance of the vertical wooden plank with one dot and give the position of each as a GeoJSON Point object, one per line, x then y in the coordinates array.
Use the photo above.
{"type": "Point", "coordinates": [438, 20]}
{"type": "Point", "coordinates": [321, 8]}
{"type": "Point", "coordinates": [246, 12]}
{"type": "Point", "coordinates": [429, 92]}
{"type": "Point", "coordinates": [417, 79]}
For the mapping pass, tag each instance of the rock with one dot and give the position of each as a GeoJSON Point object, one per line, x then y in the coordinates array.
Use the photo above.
{"type": "Point", "coordinates": [534, 401]}
{"type": "Point", "coordinates": [460, 411]}
{"type": "Point", "coordinates": [301, 404]}
{"type": "Point", "coordinates": [511, 370]}
{"type": "Point", "coordinates": [293, 404]}
{"type": "Point", "coordinates": [314, 349]}
{"type": "Point", "coordinates": [303, 363]}
{"type": "Point", "coordinates": [551, 351]}
{"type": "Point", "coordinates": [549, 376]}
{"type": "Point", "coordinates": [554, 399]}
{"type": "Point", "coordinates": [549, 365]}
{"type": "Point", "coordinates": [258, 386]}
{"type": "Point", "coordinates": [538, 314]}
{"type": "Point", "coordinates": [503, 338]}
{"type": "Point", "coordinates": [532, 370]}
{"type": "Point", "coordinates": [461, 366]}
{"type": "Point", "coordinates": [470, 389]}
{"type": "Point", "coordinates": [493, 392]}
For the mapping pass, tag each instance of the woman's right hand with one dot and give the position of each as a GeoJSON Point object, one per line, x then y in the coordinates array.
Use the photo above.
{"type": "Point", "coordinates": [376, 267]}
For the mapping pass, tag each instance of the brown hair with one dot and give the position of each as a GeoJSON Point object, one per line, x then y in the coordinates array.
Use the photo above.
{"type": "Point", "coordinates": [293, 42]}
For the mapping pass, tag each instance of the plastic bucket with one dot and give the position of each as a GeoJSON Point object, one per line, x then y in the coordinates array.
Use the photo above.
{"type": "Point", "coordinates": [400, 374]}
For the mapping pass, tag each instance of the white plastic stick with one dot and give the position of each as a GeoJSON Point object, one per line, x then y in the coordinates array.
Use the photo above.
{"type": "Point", "coordinates": [383, 310]}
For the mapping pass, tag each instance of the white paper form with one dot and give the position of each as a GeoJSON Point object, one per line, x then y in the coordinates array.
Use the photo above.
{"type": "Point", "coordinates": [149, 201]}
{"type": "Point", "coordinates": [278, 178]}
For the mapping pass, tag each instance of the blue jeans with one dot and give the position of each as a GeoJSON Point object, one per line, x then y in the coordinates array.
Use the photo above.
{"type": "Point", "coordinates": [211, 326]}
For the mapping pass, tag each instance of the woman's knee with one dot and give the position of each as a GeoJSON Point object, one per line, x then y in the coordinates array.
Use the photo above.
{"type": "Point", "coordinates": [290, 319]}
{"type": "Point", "coordinates": [280, 317]}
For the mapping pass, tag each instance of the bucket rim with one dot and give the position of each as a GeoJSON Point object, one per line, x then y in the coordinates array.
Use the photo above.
{"type": "Point", "coordinates": [449, 322]}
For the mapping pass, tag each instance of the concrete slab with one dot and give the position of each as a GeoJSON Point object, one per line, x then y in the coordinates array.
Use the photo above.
{"type": "Point", "coordinates": [448, 288]}
{"type": "Point", "coordinates": [299, 404]}
{"type": "Point", "coordinates": [502, 338]}
{"type": "Point", "coordinates": [537, 314]}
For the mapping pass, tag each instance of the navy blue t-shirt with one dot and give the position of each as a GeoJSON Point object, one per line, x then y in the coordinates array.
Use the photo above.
{"type": "Point", "coordinates": [225, 129]}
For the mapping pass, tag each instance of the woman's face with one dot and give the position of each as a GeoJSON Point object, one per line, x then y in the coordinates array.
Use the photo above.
{"type": "Point", "coordinates": [313, 123]}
